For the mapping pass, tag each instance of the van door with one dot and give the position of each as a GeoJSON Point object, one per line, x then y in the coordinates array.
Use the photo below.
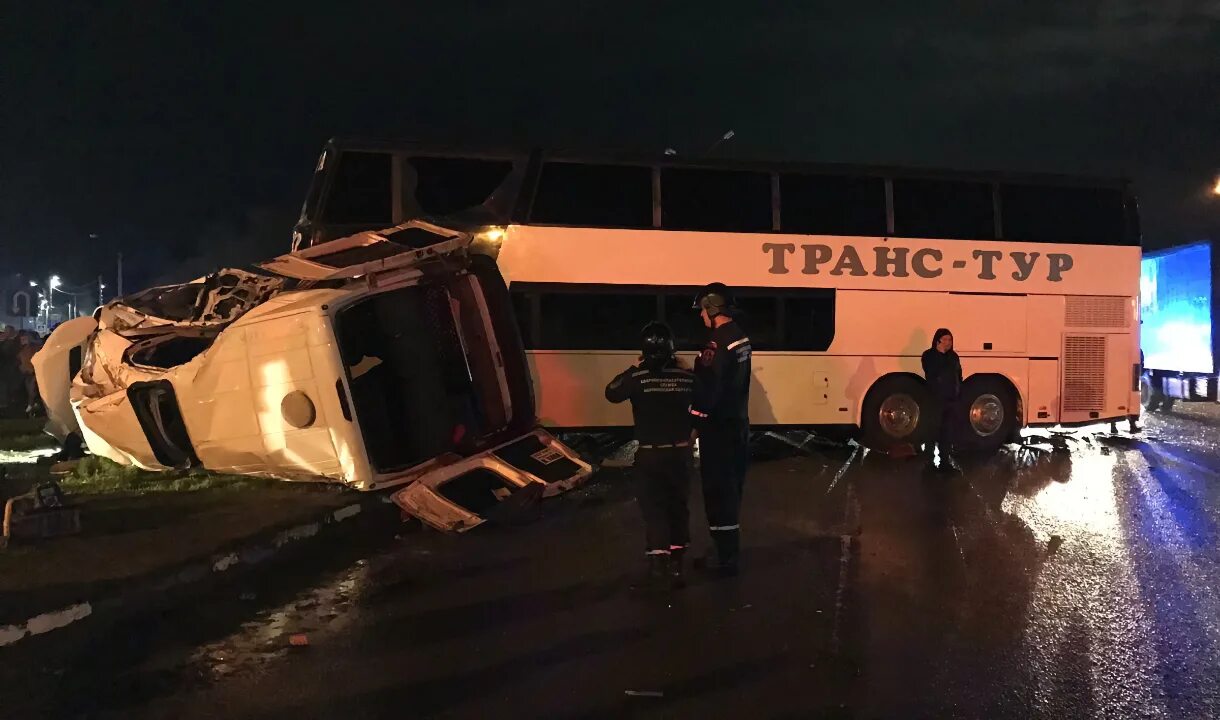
{"type": "Point", "coordinates": [523, 463]}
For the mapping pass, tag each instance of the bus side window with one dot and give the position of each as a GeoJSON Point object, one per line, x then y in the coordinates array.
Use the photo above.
{"type": "Point", "coordinates": [594, 320]}
{"type": "Point", "coordinates": [809, 322]}
{"type": "Point", "coordinates": [361, 190]}
{"type": "Point", "coordinates": [443, 186]}
{"type": "Point", "coordinates": [760, 318]}
{"type": "Point", "coordinates": [684, 320]}
{"type": "Point", "coordinates": [832, 205]}
{"type": "Point", "coordinates": [1032, 213]}
{"type": "Point", "coordinates": [728, 201]}
{"type": "Point", "coordinates": [594, 195]}
{"type": "Point", "coordinates": [523, 310]}
{"type": "Point", "coordinates": [943, 209]}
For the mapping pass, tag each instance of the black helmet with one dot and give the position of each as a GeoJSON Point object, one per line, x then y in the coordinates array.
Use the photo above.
{"type": "Point", "coordinates": [657, 343]}
{"type": "Point", "coordinates": [715, 298]}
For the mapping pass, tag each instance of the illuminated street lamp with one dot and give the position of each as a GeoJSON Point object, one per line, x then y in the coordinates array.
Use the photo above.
{"type": "Point", "coordinates": [1216, 187]}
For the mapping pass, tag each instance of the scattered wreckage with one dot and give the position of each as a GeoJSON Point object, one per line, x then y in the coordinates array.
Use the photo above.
{"type": "Point", "coordinates": [377, 360]}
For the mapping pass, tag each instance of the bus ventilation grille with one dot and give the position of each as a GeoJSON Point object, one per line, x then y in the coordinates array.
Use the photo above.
{"type": "Point", "coordinates": [1096, 312]}
{"type": "Point", "coordinates": [1084, 373]}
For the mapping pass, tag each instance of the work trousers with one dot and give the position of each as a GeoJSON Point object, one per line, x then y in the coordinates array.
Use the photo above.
{"type": "Point", "coordinates": [724, 456]}
{"type": "Point", "coordinates": [662, 489]}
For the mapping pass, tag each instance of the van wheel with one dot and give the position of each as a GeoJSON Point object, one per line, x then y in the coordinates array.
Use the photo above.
{"type": "Point", "coordinates": [987, 414]}
{"type": "Point", "coordinates": [896, 412]}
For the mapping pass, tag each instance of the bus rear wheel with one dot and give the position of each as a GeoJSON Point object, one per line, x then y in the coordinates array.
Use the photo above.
{"type": "Point", "coordinates": [897, 411]}
{"type": "Point", "coordinates": [988, 414]}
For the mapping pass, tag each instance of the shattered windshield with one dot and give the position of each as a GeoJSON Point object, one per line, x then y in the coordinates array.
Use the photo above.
{"type": "Point", "coordinates": [354, 190]}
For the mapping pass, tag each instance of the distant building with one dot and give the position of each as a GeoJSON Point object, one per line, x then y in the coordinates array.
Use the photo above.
{"type": "Point", "coordinates": [19, 305]}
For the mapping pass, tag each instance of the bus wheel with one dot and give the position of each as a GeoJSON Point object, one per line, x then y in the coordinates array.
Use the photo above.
{"type": "Point", "coordinates": [989, 414]}
{"type": "Point", "coordinates": [896, 413]}
{"type": "Point", "coordinates": [1147, 398]}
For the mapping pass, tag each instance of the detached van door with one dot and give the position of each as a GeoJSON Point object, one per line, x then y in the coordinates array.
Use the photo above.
{"type": "Point", "coordinates": [513, 463]}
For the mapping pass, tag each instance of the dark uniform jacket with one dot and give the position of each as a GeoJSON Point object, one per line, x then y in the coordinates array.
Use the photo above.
{"type": "Point", "coordinates": [722, 377]}
{"type": "Point", "coordinates": [660, 403]}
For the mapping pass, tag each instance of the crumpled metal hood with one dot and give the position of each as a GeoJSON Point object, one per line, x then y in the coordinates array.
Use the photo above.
{"type": "Point", "coordinates": [210, 302]}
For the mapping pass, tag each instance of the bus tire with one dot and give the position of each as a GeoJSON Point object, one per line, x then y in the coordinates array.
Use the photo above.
{"type": "Point", "coordinates": [987, 415]}
{"type": "Point", "coordinates": [897, 411]}
{"type": "Point", "coordinates": [1149, 399]}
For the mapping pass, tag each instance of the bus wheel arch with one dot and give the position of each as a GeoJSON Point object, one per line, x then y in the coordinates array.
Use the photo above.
{"type": "Point", "coordinates": [989, 413]}
{"type": "Point", "coordinates": [896, 410]}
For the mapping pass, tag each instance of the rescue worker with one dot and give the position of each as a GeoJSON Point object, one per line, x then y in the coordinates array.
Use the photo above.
{"type": "Point", "coordinates": [660, 391]}
{"type": "Point", "coordinates": [722, 421]}
{"type": "Point", "coordinates": [942, 369]}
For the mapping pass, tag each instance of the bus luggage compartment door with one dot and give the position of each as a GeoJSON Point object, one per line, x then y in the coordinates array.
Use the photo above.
{"type": "Point", "coordinates": [501, 485]}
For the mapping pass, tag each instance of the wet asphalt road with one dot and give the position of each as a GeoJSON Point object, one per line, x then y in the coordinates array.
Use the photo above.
{"type": "Point", "coordinates": [1073, 578]}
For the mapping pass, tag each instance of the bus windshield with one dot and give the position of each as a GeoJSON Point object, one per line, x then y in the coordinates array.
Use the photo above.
{"type": "Point", "coordinates": [364, 188]}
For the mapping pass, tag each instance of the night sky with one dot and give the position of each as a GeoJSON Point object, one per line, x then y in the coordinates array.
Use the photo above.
{"type": "Point", "coordinates": [186, 137]}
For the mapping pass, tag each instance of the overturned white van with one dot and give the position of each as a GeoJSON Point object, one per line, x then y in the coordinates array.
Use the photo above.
{"type": "Point", "coordinates": [376, 360]}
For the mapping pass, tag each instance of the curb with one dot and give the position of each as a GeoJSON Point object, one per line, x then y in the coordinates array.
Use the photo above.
{"type": "Point", "coordinates": [255, 551]}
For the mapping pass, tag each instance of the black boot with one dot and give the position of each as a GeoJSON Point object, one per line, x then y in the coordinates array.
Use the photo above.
{"type": "Point", "coordinates": [723, 561]}
{"type": "Point", "coordinates": [677, 577]}
{"type": "Point", "coordinates": [658, 570]}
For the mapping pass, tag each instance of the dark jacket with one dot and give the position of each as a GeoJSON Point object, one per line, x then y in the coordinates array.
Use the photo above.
{"type": "Point", "coordinates": [943, 372]}
{"type": "Point", "coordinates": [660, 402]}
{"type": "Point", "coordinates": [722, 377]}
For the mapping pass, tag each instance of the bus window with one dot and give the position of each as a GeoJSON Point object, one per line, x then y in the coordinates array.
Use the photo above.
{"type": "Point", "coordinates": [809, 322]}
{"type": "Point", "coordinates": [943, 209]}
{"type": "Point", "coordinates": [760, 318]}
{"type": "Point", "coordinates": [523, 309]}
{"type": "Point", "coordinates": [361, 192]}
{"type": "Point", "coordinates": [1091, 216]}
{"type": "Point", "coordinates": [728, 201]}
{"type": "Point", "coordinates": [684, 320]}
{"type": "Point", "coordinates": [594, 195]}
{"type": "Point", "coordinates": [594, 320]}
{"type": "Point", "coordinates": [831, 205]}
{"type": "Point", "coordinates": [445, 185]}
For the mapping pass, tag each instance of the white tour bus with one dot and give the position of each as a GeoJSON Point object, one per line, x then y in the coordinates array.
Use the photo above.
{"type": "Point", "coordinates": [842, 275]}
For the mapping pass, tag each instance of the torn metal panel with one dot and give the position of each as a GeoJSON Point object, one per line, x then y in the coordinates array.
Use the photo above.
{"type": "Point", "coordinates": [55, 365]}
{"type": "Point", "coordinates": [368, 253]}
{"type": "Point", "coordinates": [208, 302]}
{"type": "Point", "coordinates": [494, 486]}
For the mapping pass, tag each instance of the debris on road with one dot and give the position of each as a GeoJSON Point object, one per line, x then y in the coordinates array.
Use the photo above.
{"type": "Point", "coordinates": [502, 486]}
{"type": "Point", "coordinates": [298, 640]}
{"type": "Point", "coordinates": [41, 513]}
{"type": "Point", "coordinates": [1053, 544]}
{"type": "Point", "coordinates": [645, 693]}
